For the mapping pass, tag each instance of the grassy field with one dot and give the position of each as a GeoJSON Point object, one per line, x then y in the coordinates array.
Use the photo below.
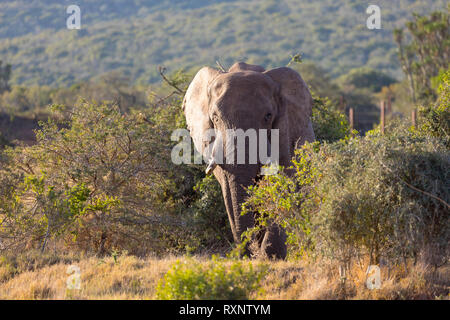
{"type": "Point", "coordinates": [127, 277]}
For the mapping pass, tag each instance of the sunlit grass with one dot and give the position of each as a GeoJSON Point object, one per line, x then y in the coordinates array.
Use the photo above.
{"type": "Point", "coordinates": [129, 277]}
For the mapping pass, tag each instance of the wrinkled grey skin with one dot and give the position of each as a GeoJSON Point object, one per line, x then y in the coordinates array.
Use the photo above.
{"type": "Point", "coordinates": [243, 98]}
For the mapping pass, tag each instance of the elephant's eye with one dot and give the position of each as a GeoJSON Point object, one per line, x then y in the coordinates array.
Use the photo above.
{"type": "Point", "coordinates": [215, 118]}
{"type": "Point", "coordinates": [267, 117]}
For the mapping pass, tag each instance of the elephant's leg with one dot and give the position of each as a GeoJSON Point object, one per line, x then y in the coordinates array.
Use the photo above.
{"type": "Point", "coordinates": [273, 245]}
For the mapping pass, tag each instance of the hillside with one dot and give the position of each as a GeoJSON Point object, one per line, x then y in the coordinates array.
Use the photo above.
{"type": "Point", "coordinates": [134, 37]}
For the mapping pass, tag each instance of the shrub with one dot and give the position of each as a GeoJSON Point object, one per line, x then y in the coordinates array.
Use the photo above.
{"type": "Point", "coordinates": [98, 179]}
{"type": "Point", "coordinates": [208, 216]}
{"type": "Point", "coordinates": [215, 280]}
{"type": "Point", "coordinates": [116, 157]}
{"type": "Point", "coordinates": [4, 141]}
{"type": "Point", "coordinates": [133, 197]}
{"type": "Point", "coordinates": [434, 120]}
{"type": "Point", "coordinates": [379, 195]}
{"type": "Point", "coordinates": [366, 78]}
{"type": "Point", "coordinates": [328, 122]}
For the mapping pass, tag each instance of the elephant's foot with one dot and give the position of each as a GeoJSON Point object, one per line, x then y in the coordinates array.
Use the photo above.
{"type": "Point", "coordinates": [268, 243]}
{"type": "Point", "coordinates": [273, 244]}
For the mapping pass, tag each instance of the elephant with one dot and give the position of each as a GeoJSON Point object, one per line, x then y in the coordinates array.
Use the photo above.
{"type": "Point", "coordinates": [249, 97]}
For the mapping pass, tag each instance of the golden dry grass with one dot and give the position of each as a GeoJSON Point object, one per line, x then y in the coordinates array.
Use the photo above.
{"type": "Point", "coordinates": [323, 281]}
{"type": "Point", "coordinates": [129, 277]}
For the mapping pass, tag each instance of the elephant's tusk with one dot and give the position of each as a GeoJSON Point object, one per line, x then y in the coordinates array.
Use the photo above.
{"type": "Point", "coordinates": [212, 164]}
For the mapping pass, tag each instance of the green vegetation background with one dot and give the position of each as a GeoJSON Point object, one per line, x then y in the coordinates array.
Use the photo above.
{"type": "Point", "coordinates": [135, 36]}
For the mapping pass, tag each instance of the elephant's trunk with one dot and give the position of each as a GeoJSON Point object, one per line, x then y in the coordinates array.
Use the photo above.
{"type": "Point", "coordinates": [234, 180]}
{"type": "Point", "coordinates": [234, 194]}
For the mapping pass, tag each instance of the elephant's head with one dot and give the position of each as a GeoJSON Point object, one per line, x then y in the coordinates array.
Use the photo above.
{"type": "Point", "coordinates": [247, 97]}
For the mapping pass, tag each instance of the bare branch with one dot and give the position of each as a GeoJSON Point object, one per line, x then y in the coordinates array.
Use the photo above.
{"type": "Point", "coordinates": [161, 71]}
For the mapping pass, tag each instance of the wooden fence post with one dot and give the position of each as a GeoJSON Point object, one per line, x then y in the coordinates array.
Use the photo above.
{"type": "Point", "coordinates": [413, 117]}
{"type": "Point", "coordinates": [382, 103]}
{"type": "Point", "coordinates": [389, 105]}
{"type": "Point", "coordinates": [350, 117]}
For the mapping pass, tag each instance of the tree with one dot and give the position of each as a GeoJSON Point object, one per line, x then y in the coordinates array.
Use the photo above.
{"type": "Point", "coordinates": [366, 78]}
{"type": "Point", "coordinates": [434, 119]}
{"type": "Point", "coordinates": [5, 75]}
{"type": "Point", "coordinates": [319, 80]}
{"type": "Point", "coordinates": [96, 178]}
{"type": "Point", "coordinates": [426, 54]}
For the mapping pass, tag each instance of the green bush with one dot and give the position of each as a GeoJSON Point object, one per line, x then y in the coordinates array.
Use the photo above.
{"type": "Point", "coordinates": [328, 122]}
{"type": "Point", "coordinates": [114, 156]}
{"type": "Point", "coordinates": [3, 141]}
{"type": "Point", "coordinates": [208, 216]}
{"type": "Point", "coordinates": [98, 179]}
{"type": "Point", "coordinates": [366, 78]}
{"type": "Point", "coordinates": [219, 279]}
{"type": "Point", "coordinates": [382, 196]}
{"type": "Point", "coordinates": [434, 119]}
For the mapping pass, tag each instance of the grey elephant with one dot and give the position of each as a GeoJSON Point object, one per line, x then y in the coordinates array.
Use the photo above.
{"type": "Point", "coordinates": [249, 97]}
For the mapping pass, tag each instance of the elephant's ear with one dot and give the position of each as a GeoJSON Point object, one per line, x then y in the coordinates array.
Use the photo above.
{"type": "Point", "coordinates": [293, 90]}
{"type": "Point", "coordinates": [295, 108]}
{"type": "Point", "coordinates": [196, 105]}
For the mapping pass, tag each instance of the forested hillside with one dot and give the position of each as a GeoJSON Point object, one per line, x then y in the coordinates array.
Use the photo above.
{"type": "Point", "coordinates": [136, 36]}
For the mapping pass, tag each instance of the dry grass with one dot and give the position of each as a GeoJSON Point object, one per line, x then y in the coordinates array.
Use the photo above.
{"type": "Point", "coordinates": [323, 281]}
{"type": "Point", "coordinates": [127, 277]}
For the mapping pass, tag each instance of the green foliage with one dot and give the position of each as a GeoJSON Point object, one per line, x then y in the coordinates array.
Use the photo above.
{"type": "Point", "coordinates": [328, 122]}
{"type": "Point", "coordinates": [368, 78]}
{"type": "Point", "coordinates": [100, 178]}
{"type": "Point", "coordinates": [22, 99]}
{"type": "Point", "coordinates": [190, 34]}
{"type": "Point", "coordinates": [434, 120]}
{"type": "Point", "coordinates": [208, 215]}
{"type": "Point", "coordinates": [5, 75]}
{"type": "Point", "coordinates": [426, 54]}
{"type": "Point", "coordinates": [379, 195]}
{"type": "Point", "coordinates": [104, 174]}
{"type": "Point", "coordinates": [318, 80]}
{"type": "Point", "coordinates": [277, 198]}
{"type": "Point", "coordinates": [3, 141]}
{"type": "Point", "coordinates": [111, 87]}
{"type": "Point", "coordinates": [43, 211]}
{"type": "Point", "coordinates": [217, 279]}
